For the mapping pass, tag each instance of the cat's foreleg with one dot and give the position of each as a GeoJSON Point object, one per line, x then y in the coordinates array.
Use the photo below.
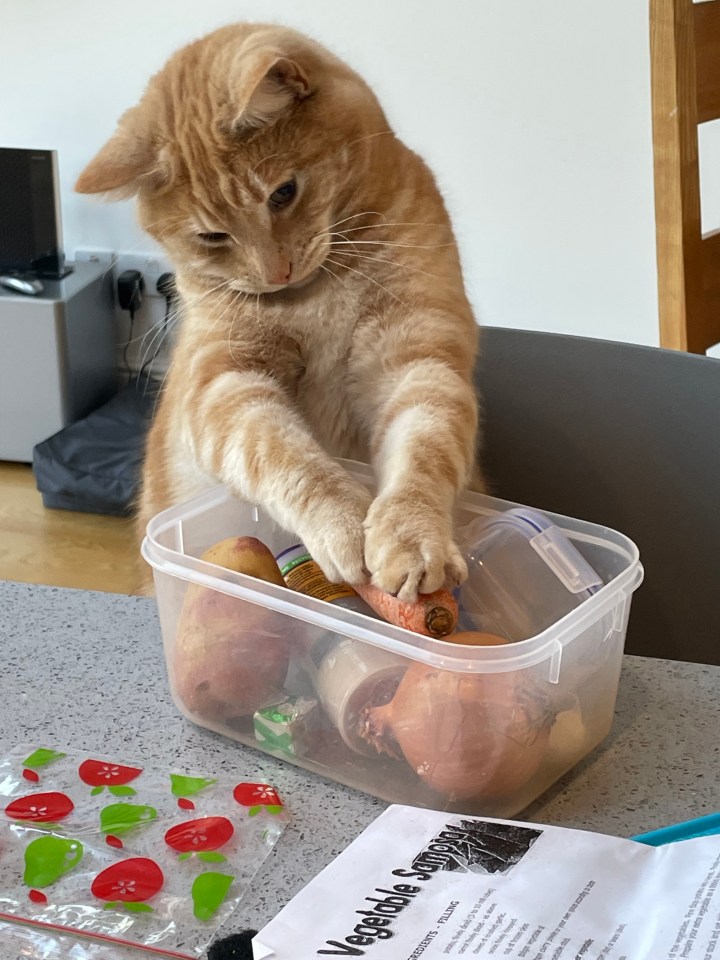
{"type": "Point", "coordinates": [423, 441]}
{"type": "Point", "coordinates": [247, 432]}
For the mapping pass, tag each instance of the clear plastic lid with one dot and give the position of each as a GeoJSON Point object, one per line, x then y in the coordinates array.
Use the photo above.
{"type": "Point", "coordinates": [524, 575]}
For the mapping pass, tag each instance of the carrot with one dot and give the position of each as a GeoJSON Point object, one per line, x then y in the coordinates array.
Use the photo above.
{"type": "Point", "coordinates": [432, 614]}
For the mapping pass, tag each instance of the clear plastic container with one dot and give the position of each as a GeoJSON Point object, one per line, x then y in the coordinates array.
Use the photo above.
{"type": "Point", "coordinates": [568, 672]}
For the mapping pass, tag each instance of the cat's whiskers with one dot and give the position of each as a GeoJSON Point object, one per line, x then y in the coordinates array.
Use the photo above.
{"type": "Point", "coordinates": [168, 221]}
{"type": "Point", "coordinates": [238, 299]}
{"type": "Point", "coordinates": [157, 334]}
{"type": "Point", "coordinates": [394, 243]}
{"type": "Point", "coordinates": [371, 136]}
{"type": "Point", "coordinates": [189, 305]}
{"type": "Point", "coordinates": [270, 156]}
{"type": "Point", "coordinates": [392, 263]}
{"type": "Point", "coordinates": [146, 346]}
{"type": "Point", "coordinates": [184, 304]}
{"type": "Point", "coordinates": [332, 242]}
{"type": "Point", "coordinates": [140, 336]}
{"type": "Point", "coordinates": [330, 272]}
{"type": "Point", "coordinates": [365, 213]}
{"type": "Point", "coordinates": [360, 273]}
{"type": "Point", "coordinates": [160, 389]}
{"type": "Point", "coordinates": [244, 297]}
{"type": "Point", "coordinates": [396, 223]}
{"type": "Point", "coordinates": [167, 330]}
{"type": "Point", "coordinates": [172, 319]}
{"type": "Point", "coordinates": [257, 315]}
{"type": "Point", "coordinates": [230, 293]}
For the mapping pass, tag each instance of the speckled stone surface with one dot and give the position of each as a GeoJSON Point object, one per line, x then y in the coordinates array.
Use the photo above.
{"type": "Point", "coordinates": [86, 670]}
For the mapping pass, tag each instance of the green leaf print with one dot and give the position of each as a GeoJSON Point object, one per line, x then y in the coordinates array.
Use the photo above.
{"type": "Point", "coordinates": [188, 786]}
{"type": "Point", "coordinates": [121, 791]}
{"type": "Point", "coordinates": [49, 858]}
{"type": "Point", "coordinates": [118, 818]}
{"type": "Point", "coordinates": [41, 758]}
{"type": "Point", "coordinates": [208, 892]}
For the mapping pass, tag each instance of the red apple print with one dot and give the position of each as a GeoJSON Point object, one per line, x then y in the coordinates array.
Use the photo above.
{"type": "Point", "coordinates": [31, 776]}
{"type": "Point", "coordinates": [130, 882]}
{"type": "Point", "coordinates": [199, 836]}
{"type": "Point", "coordinates": [258, 795]}
{"type": "Point", "coordinates": [37, 896]}
{"type": "Point", "coordinates": [186, 804]}
{"type": "Point", "coordinates": [112, 841]}
{"type": "Point", "coordinates": [101, 773]}
{"type": "Point", "coordinates": [40, 808]}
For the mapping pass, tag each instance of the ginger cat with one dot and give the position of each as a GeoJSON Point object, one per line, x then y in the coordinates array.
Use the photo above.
{"type": "Point", "coordinates": [324, 312]}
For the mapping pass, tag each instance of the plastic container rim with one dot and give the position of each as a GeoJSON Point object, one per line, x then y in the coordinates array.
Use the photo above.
{"type": "Point", "coordinates": [434, 652]}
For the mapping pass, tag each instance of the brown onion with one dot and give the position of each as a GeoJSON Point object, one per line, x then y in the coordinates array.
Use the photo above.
{"type": "Point", "coordinates": [465, 734]}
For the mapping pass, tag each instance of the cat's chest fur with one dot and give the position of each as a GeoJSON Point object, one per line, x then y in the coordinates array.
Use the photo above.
{"type": "Point", "coordinates": [323, 327]}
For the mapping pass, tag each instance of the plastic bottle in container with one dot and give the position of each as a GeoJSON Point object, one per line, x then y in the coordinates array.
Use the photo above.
{"type": "Point", "coordinates": [302, 574]}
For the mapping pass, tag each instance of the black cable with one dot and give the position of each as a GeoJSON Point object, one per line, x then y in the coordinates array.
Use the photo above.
{"type": "Point", "coordinates": [129, 341]}
{"type": "Point", "coordinates": [130, 286]}
{"type": "Point", "coordinates": [166, 318]}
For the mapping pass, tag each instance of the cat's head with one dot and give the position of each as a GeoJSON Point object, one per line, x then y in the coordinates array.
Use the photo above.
{"type": "Point", "coordinates": [244, 151]}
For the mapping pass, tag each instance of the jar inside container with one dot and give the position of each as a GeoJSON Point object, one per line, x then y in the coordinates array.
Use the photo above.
{"type": "Point", "coordinates": [524, 575]}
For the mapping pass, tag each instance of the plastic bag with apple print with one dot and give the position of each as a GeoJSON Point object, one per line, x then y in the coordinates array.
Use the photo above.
{"type": "Point", "coordinates": [124, 856]}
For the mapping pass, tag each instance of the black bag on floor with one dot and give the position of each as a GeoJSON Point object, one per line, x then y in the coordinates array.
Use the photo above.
{"type": "Point", "coordinates": [93, 465]}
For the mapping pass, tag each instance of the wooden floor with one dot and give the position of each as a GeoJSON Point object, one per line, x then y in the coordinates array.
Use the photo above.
{"type": "Point", "coordinates": [60, 547]}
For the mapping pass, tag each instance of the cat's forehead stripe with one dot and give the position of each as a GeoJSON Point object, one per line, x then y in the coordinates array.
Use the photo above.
{"type": "Point", "coordinates": [257, 187]}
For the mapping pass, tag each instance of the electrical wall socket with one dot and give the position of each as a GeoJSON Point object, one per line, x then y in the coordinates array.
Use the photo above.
{"type": "Point", "coordinates": [104, 257]}
{"type": "Point", "coordinates": [145, 334]}
{"type": "Point", "coordinates": [150, 265]}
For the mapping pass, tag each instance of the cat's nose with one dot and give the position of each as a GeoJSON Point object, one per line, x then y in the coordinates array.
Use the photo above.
{"type": "Point", "coordinates": [280, 273]}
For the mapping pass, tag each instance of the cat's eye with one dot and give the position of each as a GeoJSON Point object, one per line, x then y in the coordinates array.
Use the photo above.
{"type": "Point", "coordinates": [284, 194]}
{"type": "Point", "coordinates": [213, 238]}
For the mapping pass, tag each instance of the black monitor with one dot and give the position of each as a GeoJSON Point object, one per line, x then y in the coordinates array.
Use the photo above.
{"type": "Point", "coordinates": [30, 229]}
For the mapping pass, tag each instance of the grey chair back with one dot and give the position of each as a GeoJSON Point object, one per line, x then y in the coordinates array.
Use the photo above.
{"type": "Point", "coordinates": [625, 436]}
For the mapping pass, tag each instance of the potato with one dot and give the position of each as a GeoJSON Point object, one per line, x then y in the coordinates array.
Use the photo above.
{"type": "Point", "coordinates": [245, 555]}
{"type": "Point", "coordinates": [230, 655]}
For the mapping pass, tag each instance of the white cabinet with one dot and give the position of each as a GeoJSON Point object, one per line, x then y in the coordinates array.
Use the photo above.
{"type": "Point", "coordinates": [57, 357]}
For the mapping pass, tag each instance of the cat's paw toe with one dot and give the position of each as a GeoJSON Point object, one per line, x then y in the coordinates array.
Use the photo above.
{"type": "Point", "coordinates": [342, 558]}
{"type": "Point", "coordinates": [335, 538]}
{"type": "Point", "coordinates": [456, 569]}
{"type": "Point", "coordinates": [409, 553]}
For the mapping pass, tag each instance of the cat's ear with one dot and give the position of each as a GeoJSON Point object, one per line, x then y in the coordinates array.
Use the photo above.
{"type": "Point", "coordinates": [268, 88]}
{"type": "Point", "coordinates": [127, 160]}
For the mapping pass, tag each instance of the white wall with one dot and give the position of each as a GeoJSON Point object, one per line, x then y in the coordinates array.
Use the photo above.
{"type": "Point", "coordinates": [535, 117]}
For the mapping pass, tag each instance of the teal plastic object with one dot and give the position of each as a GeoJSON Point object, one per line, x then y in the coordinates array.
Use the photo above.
{"type": "Point", "coordinates": [700, 827]}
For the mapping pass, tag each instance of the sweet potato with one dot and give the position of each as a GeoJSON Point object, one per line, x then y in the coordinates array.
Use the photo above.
{"type": "Point", "coordinates": [230, 655]}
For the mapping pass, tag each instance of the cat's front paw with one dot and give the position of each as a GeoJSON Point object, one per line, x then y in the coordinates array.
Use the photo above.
{"type": "Point", "coordinates": [409, 548]}
{"type": "Point", "coordinates": [334, 535]}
